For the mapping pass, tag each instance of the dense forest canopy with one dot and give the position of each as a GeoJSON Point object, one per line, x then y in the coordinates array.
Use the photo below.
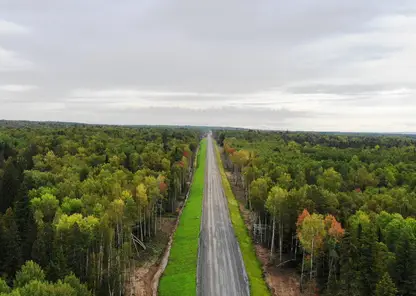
{"type": "Point", "coordinates": [341, 207]}
{"type": "Point", "coordinates": [81, 201]}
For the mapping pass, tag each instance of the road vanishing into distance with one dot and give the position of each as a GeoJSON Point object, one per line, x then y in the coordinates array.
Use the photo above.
{"type": "Point", "coordinates": [221, 269]}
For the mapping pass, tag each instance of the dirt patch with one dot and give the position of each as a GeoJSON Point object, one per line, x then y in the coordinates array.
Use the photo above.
{"type": "Point", "coordinates": [140, 283]}
{"type": "Point", "coordinates": [141, 279]}
{"type": "Point", "coordinates": [281, 281]}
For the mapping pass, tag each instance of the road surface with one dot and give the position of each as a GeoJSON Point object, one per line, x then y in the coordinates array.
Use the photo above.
{"type": "Point", "coordinates": [221, 270]}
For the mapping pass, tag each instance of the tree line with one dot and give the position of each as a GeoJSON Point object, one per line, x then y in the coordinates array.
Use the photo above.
{"type": "Point", "coordinates": [81, 202]}
{"type": "Point", "coordinates": [340, 208]}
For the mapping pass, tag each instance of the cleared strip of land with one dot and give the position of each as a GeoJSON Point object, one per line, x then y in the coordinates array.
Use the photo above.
{"type": "Point", "coordinates": [220, 268]}
{"type": "Point", "coordinates": [253, 267]}
{"type": "Point", "coordinates": [179, 277]}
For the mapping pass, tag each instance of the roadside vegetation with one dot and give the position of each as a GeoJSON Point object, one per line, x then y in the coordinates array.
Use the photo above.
{"type": "Point", "coordinates": [253, 267]}
{"type": "Point", "coordinates": [179, 277]}
{"type": "Point", "coordinates": [340, 209]}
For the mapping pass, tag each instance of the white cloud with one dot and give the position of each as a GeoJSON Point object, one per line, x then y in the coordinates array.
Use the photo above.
{"type": "Point", "coordinates": [11, 61]}
{"type": "Point", "coordinates": [7, 28]}
{"type": "Point", "coordinates": [138, 93]}
{"type": "Point", "coordinates": [17, 87]}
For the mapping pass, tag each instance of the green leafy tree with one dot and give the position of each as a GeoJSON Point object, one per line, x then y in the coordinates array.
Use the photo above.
{"type": "Point", "coordinates": [330, 180]}
{"type": "Point", "coordinates": [258, 193]}
{"type": "Point", "coordinates": [30, 271]}
{"type": "Point", "coordinates": [74, 282]}
{"type": "Point", "coordinates": [275, 204]}
{"type": "Point", "coordinates": [4, 288]}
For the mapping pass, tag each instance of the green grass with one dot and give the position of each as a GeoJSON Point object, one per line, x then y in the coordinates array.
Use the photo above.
{"type": "Point", "coordinates": [179, 277]}
{"type": "Point", "coordinates": [253, 267]}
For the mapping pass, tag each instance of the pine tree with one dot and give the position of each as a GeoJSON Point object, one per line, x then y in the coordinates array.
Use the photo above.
{"type": "Point", "coordinates": [10, 185]}
{"type": "Point", "coordinates": [42, 247]}
{"type": "Point", "coordinates": [10, 244]}
{"type": "Point", "coordinates": [349, 285]}
{"type": "Point", "coordinates": [25, 221]}
{"type": "Point", "coordinates": [386, 287]}
{"type": "Point", "coordinates": [58, 267]}
{"type": "Point", "coordinates": [366, 261]}
{"type": "Point", "coordinates": [405, 274]}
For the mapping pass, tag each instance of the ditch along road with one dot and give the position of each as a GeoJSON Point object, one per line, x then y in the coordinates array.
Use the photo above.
{"type": "Point", "coordinates": [221, 270]}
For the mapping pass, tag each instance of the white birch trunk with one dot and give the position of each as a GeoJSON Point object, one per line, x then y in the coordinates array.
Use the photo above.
{"type": "Point", "coordinates": [272, 244]}
{"type": "Point", "coordinates": [311, 272]}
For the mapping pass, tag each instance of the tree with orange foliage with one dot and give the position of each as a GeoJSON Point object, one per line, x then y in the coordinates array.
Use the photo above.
{"type": "Point", "coordinates": [315, 230]}
{"type": "Point", "coordinates": [302, 217]}
{"type": "Point", "coordinates": [335, 233]}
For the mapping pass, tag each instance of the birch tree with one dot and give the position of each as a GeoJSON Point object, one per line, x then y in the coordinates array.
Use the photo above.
{"type": "Point", "coordinates": [275, 205]}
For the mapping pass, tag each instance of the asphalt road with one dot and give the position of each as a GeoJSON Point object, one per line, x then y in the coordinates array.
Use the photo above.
{"type": "Point", "coordinates": [221, 270]}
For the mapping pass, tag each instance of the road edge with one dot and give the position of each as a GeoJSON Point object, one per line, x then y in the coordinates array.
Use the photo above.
{"type": "Point", "coordinates": [255, 282]}
{"type": "Point", "coordinates": [196, 166]}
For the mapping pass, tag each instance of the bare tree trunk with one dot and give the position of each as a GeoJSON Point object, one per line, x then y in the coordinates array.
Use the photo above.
{"type": "Point", "coordinates": [144, 224]}
{"type": "Point", "coordinates": [261, 232]}
{"type": "Point", "coordinates": [303, 267]}
{"type": "Point", "coordinates": [110, 290]}
{"type": "Point", "coordinates": [160, 220]}
{"type": "Point", "coordinates": [272, 244]}
{"type": "Point", "coordinates": [280, 239]}
{"type": "Point", "coordinates": [149, 224]}
{"type": "Point", "coordinates": [87, 264]}
{"type": "Point", "coordinates": [266, 233]}
{"type": "Point", "coordinates": [141, 224]}
{"type": "Point", "coordinates": [101, 261]}
{"type": "Point", "coordinates": [296, 246]}
{"type": "Point", "coordinates": [155, 218]}
{"type": "Point", "coordinates": [330, 271]}
{"type": "Point", "coordinates": [248, 197]}
{"type": "Point", "coordinates": [311, 272]}
{"type": "Point", "coordinates": [292, 246]}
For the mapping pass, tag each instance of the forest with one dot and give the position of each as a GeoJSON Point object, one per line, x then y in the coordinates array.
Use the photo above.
{"type": "Point", "coordinates": [339, 208]}
{"type": "Point", "coordinates": [78, 203]}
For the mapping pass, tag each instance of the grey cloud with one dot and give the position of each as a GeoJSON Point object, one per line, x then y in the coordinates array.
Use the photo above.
{"type": "Point", "coordinates": [238, 49]}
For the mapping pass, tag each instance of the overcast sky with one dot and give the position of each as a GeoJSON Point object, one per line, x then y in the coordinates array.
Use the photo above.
{"type": "Point", "coordinates": [297, 65]}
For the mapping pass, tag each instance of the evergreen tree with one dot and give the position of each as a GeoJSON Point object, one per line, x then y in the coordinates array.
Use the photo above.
{"type": "Point", "coordinates": [58, 267]}
{"type": "Point", "coordinates": [10, 244]}
{"type": "Point", "coordinates": [42, 247]}
{"type": "Point", "coordinates": [349, 285]}
{"type": "Point", "coordinates": [25, 221]}
{"type": "Point", "coordinates": [405, 274]}
{"type": "Point", "coordinates": [386, 287]}
{"type": "Point", "coordinates": [10, 185]}
{"type": "Point", "coordinates": [367, 260]}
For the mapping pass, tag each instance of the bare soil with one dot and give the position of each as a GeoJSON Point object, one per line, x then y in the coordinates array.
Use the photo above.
{"type": "Point", "coordinates": [141, 278]}
{"type": "Point", "coordinates": [282, 281]}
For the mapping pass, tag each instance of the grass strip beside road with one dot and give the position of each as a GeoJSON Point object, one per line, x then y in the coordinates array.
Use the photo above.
{"type": "Point", "coordinates": [179, 277]}
{"type": "Point", "coordinates": [254, 271]}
